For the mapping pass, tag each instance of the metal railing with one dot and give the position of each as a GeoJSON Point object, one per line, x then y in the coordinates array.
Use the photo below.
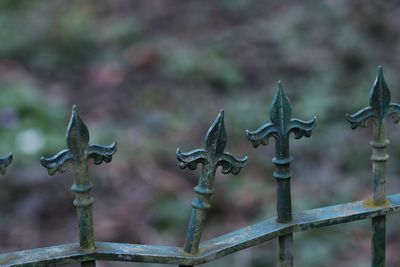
{"type": "Point", "coordinates": [195, 252]}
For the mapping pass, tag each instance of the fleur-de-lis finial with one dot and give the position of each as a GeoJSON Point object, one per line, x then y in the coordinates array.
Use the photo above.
{"type": "Point", "coordinates": [78, 146]}
{"type": "Point", "coordinates": [379, 108]}
{"type": "Point", "coordinates": [213, 154]}
{"type": "Point", "coordinates": [379, 105]}
{"type": "Point", "coordinates": [4, 162]}
{"type": "Point", "coordinates": [78, 152]}
{"type": "Point", "coordinates": [210, 158]}
{"type": "Point", "coordinates": [281, 126]}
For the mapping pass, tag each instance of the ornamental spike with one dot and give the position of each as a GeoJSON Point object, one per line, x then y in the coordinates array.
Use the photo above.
{"type": "Point", "coordinates": [78, 149]}
{"type": "Point", "coordinates": [78, 152]}
{"type": "Point", "coordinates": [281, 125]}
{"type": "Point", "coordinates": [281, 109]}
{"type": "Point", "coordinates": [215, 139]}
{"type": "Point", "coordinates": [4, 162]}
{"type": "Point", "coordinates": [213, 154]}
{"type": "Point", "coordinates": [77, 135]}
{"type": "Point", "coordinates": [379, 108]}
{"type": "Point", "coordinates": [379, 98]}
{"type": "Point", "coordinates": [379, 105]}
{"type": "Point", "coordinates": [210, 157]}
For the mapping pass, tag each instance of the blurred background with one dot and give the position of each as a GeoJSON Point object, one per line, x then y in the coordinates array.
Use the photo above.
{"type": "Point", "coordinates": [153, 75]}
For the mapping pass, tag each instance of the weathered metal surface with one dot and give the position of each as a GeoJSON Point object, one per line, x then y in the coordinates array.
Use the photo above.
{"type": "Point", "coordinates": [209, 250]}
{"type": "Point", "coordinates": [4, 162]}
{"type": "Point", "coordinates": [280, 128]}
{"type": "Point", "coordinates": [379, 108]}
{"type": "Point", "coordinates": [211, 157]}
{"type": "Point", "coordinates": [78, 153]}
{"type": "Point", "coordinates": [378, 241]}
{"type": "Point", "coordinates": [87, 251]}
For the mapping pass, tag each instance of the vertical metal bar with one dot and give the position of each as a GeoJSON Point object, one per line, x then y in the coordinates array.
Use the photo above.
{"type": "Point", "coordinates": [200, 205]}
{"type": "Point", "coordinates": [83, 203]}
{"type": "Point", "coordinates": [378, 241]}
{"type": "Point", "coordinates": [379, 158]}
{"type": "Point", "coordinates": [211, 157]}
{"type": "Point", "coordinates": [379, 108]}
{"type": "Point", "coordinates": [282, 174]}
{"type": "Point", "coordinates": [284, 209]}
{"type": "Point", "coordinates": [286, 250]}
{"type": "Point", "coordinates": [280, 128]}
{"type": "Point", "coordinates": [78, 153]}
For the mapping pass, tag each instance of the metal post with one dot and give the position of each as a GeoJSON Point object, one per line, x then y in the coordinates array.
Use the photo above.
{"type": "Point", "coordinates": [78, 153]}
{"type": "Point", "coordinates": [379, 158]}
{"type": "Point", "coordinates": [211, 157]}
{"type": "Point", "coordinates": [83, 203]}
{"type": "Point", "coordinates": [282, 175]}
{"type": "Point", "coordinates": [380, 108]}
{"type": "Point", "coordinates": [280, 128]}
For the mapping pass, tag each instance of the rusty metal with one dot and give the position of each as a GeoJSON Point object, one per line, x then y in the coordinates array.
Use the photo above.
{"type": "Point", "coordinates": [211, 157]}
{"type": "Point", "coordinates": [194, 252]}
{"type": "Point", "coordinates": [280, 128]}
{"type": "Point", "coordinates": [78, 153]}
{"type": "Point", "coordinates": [379, 108]}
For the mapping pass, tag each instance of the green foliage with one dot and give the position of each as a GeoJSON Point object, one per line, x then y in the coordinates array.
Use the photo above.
{"type": "Point", "coordinates": [178, 64]}
{"type": "Point", "coordinates": [211, 66]}
{"type": "Point", "coordinates": [27, 127]}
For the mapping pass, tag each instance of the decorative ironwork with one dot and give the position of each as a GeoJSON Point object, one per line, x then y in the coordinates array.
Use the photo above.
{"type": "Point", "coordinates": [280, 128]}
{"type": "Point", "coordinates": [379, 108]}
{"type": "Point", "coordinates": [78, 153]}
{"type": "Point", "coordinates": [211, 157]}
{"type": "Point", "coordinates": [194, 252]}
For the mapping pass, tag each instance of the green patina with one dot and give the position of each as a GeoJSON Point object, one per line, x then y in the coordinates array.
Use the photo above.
{"type": "Point", "coordinates": [209, 250]}
{"type": "Point", "coordinates": [211, 157]}
{"type": "Point", "coordinates": [78, 153]}
{"type": "Point", "coordinates": [379, 108]}
{"type": "Point", "coordinates": [280, 128]}
{"type": "Point", "coordinates": [194, 252]}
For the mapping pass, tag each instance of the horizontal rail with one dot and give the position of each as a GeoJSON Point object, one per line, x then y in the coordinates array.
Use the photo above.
{"type": "Point", "coordinates": [209, 250]}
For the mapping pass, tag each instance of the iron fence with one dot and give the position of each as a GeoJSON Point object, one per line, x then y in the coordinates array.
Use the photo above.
{"type": "Point", "coordinates": [195, 252]}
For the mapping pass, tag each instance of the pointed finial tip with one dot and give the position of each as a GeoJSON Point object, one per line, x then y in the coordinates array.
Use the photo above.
{"type": "Point", "coordinates": [248, 133]}
{"type": "Point", "coordinates": [74, 111]}
{"type": "Point", "coordinates": [380, 70]}
{"type": "Point", "coordinates": [220, 116]}
{"type": "Point", "coordinates": [280, 87]}
{"type": "Point", "coordinates": [74, 114]}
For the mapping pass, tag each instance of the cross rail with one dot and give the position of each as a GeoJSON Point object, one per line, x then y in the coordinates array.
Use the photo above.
{"type": "Point", "coordinates": [210, 158]}
{"type": "Point", "coordinates": [208, 250]}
